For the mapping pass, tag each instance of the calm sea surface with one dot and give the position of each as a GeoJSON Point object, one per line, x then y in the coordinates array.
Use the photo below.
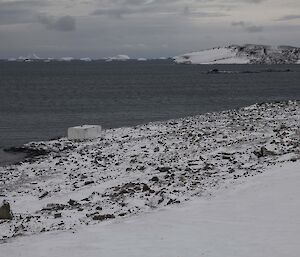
{"type": "Point", "coordinates": [39, 101]}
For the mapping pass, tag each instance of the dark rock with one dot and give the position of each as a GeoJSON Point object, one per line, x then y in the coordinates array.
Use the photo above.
{"type": "Point", "coordinates": [5, 212]}
{"type": "Point", "coordinates": [43, 195]}
{"type": "Point", "coordinates": [88, 182]}
{"type": "Point", "coordinates": [73, 202]}
{"type": "Point", "coordinates": [173, 201]}
{"type": "Point", "coordinates": [57, 215]}
{"type": "Point", "coordinates": [263, 152]}
{"type": "Point", "coordinates": [146, 188]}
{"type": "Point", "coordinates": [156, 149]}
{"type": "Point", "coordinates": [103, 217]}
{"type": "Point", "coordinates": [29, 152]}
{"type": "Point", "coordinates": [213, 71]}
{"type": "Point", "coordinates": [154, 179]}
{"type": "Point", "coordinates": [163, 169]}
{"type": "Point", "coordinates": [54, 207]}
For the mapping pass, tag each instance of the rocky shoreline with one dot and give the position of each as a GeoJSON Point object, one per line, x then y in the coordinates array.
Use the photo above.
{"type": "Point", "coordinates": [128, 171]}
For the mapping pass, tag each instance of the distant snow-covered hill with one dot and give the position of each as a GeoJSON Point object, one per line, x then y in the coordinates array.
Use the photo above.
{"type": "Point", "coordinates": [246, 54]}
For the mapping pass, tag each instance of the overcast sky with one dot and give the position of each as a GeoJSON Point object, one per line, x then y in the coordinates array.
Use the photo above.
{"type": "Point", "coordinates": [142, 28]}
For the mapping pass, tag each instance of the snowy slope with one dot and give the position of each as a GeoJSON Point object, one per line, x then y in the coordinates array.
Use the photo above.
{"type": "Point", "coordinates": [254, 54]}
{"type": "Point", "coordinates": [212, 56]}
{"type": "Point", "coordinates": [130, 171]}
{"type": "Point", "coordinates": [259, 218]}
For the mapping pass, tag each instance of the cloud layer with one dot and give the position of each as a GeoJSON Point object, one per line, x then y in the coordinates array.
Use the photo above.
{"type": "Point", "coordinates": [64, 23]}
{"type": "Point", "coordinates": [140, 28]}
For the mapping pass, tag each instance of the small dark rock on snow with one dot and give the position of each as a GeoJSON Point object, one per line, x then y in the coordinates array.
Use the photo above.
{"type": "Point", "coordinates": [5, 212]}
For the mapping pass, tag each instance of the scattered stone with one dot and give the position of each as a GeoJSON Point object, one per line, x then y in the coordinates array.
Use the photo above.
{"type": "Point", "coordinates": [103, 217]}
{"type": "Point", "coordinates": [57, 215]}
{"type": "Point", "coordinates": [43, 195]}
{"type": "Point", "coordinates": [73, 202]}
{"type": "Point", "coordinates": [88, 182]}
{"type": "Point", "coordinates": [154, 179]}
{"type": "Point", "coordinates": [163, 169]}
{"type": "Point", "coordinates": [195, 155]}
{"type": "Point", "coordinates": [5, 212]}
{"type": "Point", "coordinates": [263, 152]}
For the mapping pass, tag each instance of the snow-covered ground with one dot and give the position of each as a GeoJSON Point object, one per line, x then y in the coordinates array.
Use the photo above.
{"type": "Point", "coordinates": [259, 218]}
{"type": "Point", "coordinates": [132, 171]}
{"type": "Point", "coordinates": [212, 56]}
{"type": "Point", "coordinates": [247, 54]}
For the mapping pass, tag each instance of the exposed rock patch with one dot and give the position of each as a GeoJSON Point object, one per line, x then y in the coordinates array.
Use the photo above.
{"type": "Point", "coordinates": [5, 212]}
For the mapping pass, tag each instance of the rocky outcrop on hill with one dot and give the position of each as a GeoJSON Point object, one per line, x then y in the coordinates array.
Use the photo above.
{"type": "Point", "coordinates": [246, 54]}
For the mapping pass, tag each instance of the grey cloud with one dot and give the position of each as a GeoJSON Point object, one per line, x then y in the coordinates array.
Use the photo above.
{"type": "Point", "coordinates": [248, 1]}
{"type": "Point", "coordinates": [125, 10]}
{"type": "Point", "coordinates": [23, 4]}
{"type": "Point", "coordinates": [16, 12]}
{"type": "Point", "coordinates": [116, 12]}
{"type": "Point", "coordinates": [247, 27]}
{"type": "Point", "coordinates": [255, 1]}
{"type": "Point", "coordinates": [64, 23]}
{"type": "Point", "coordinates": [140, 27]}
{"type": "Point", "coordinates": [289, 17]}
{"type": "Point", "coordinates": [8, 17]}
{"type": "Point", "coordinates": [164, 7]}
{"type": "Point", "coordinates": [188, 12]}
{"type": "Point", "coordinates": [239, 23]}
{"type": "Point", "coordinates": [254, 29]}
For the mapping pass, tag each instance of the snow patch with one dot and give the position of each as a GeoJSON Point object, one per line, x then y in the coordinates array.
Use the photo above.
{"type": "Point", "coordinates": [212, 56]}
{"type": "Point", "coordinates": [259, 218]}
{"type": "Point", "coordinates": [254, 54]}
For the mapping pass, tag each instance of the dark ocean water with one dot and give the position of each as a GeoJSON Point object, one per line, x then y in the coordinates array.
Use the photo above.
{"type": "Point", "coordinates": [39, 101]}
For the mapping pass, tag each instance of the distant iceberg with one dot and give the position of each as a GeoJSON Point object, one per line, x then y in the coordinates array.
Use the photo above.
{"type": "Point", "coordinates": [142, 59]}
{"type": "Point", "coordinates": [28, 58]}
{"type": "Point", "coordinates": [67, 59]}
{"type": "Point", "coordinates": [120, 57]}
{"type": "Point", "coordinates": [86, 59]}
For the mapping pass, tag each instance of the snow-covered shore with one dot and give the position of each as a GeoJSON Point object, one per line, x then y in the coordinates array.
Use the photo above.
{"type": "Point", "coordinates": [259, 218]}
{"type": "Point", "coordinates": [130, 171]}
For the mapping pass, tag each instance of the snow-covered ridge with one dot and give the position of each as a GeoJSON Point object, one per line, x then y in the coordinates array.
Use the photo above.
{"type": "Point", "coordinates": [246, 54]}
{"type": "Point", "coordinates": [128, 171]}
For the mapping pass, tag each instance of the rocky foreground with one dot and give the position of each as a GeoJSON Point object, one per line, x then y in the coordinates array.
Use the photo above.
{"type": "Point", "coordinates": [133, 170]}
